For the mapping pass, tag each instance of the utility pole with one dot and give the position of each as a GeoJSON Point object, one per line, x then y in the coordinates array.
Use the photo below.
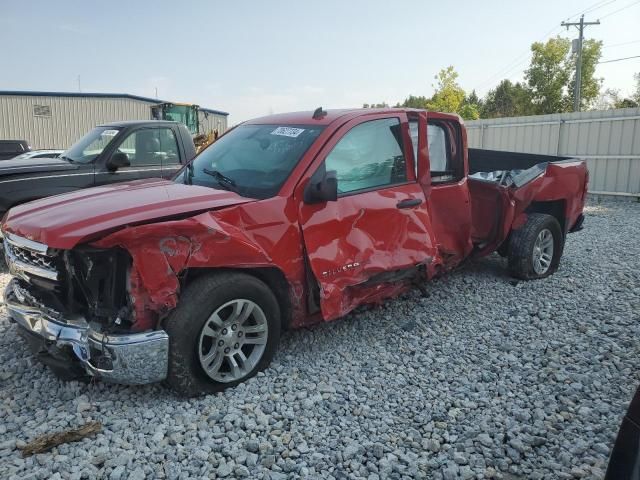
{"type": "Point", "coordinates": [578, 49]}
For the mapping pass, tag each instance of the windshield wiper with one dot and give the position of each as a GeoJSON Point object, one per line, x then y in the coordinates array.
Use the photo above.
{"type": "Point", "coordinates": [223, 180]}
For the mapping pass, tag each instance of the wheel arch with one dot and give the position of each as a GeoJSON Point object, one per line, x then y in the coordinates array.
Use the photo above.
{"type": "Point", "coordinates": [273, 277]}
{"type": "Point", "coordinates": [555, 208]}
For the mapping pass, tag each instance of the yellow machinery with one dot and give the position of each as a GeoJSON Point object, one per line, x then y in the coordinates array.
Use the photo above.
{"type": "Point", "coordinates": [189, 115]}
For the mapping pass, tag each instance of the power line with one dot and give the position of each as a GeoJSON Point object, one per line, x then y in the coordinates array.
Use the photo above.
{"type": "Point", "coordinates": [592, 8]}
{"type": "Point", "coordinates": [619, 59]}
{"type": "Point", "coordinates": [620, 44]}
{"type": "Point", "coordinates": [519, 60]}
{"type": "Point", "coordinates": [522, 58]}
{"type": "Point", "coordinates": [619, 10]}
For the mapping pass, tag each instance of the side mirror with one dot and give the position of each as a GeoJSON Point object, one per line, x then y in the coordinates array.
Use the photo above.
{"type": "Point", "coordinates": [118, 160]}
{"type": "Point", "coordinates": [323, 190]}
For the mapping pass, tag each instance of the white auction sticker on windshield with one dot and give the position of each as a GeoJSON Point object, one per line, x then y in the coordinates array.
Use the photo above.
{"type": "Point", "coordinates": [109, 133]}
{"type": "Point", "coordinates": [288, 131]}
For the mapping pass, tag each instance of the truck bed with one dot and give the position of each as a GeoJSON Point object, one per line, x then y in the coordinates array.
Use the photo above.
{"type": "Point", "coordinates": [504, 186]}
{"type": "Point", "coordinates": [508, 168]}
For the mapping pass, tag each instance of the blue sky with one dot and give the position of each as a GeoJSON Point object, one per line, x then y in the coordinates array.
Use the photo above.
{"type": "Point", "coordinates": [252, 58]}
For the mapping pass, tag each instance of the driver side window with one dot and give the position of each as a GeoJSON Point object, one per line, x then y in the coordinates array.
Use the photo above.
{"type": "Point", "coordinates": [369, 156]}
{"type": "Point", "coordinates": [150, 146]}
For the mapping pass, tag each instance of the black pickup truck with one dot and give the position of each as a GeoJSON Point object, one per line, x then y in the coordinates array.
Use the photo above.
{"type": "Point", "coordinates": [109, 153]}
{"type": "Point", "coordinates": [12, 148]}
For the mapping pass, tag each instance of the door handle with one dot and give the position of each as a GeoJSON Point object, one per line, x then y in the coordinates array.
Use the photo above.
{"type": "Point", "coordinates": [409, 203]}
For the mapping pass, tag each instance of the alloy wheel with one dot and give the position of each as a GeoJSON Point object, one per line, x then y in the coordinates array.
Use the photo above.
{"type": "Point", "coordinates": [233, 340]}
{"type": "Point", "coordinates": [543, 251]}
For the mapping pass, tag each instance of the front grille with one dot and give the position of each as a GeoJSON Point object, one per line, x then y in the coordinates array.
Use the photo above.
{"type": "Point", "coordinates": [26, 258]}
{"type": "Point", "coordinates": [30, 257]}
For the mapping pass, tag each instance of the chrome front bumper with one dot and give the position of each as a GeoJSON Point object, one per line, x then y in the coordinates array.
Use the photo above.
{"type": "Point", "coordinates": [135, 358]}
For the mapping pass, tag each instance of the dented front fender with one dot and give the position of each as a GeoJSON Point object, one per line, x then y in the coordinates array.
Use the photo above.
{"type": "Point", "coordinates": [239, 237]}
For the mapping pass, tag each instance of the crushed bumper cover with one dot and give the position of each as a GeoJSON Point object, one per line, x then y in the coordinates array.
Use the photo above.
{"type": "Point", "coordinates": [135, 358]}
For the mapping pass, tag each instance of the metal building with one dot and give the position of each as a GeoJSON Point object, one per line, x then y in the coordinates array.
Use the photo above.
{"type": "Point", "coordinates": [609, 140]}
{"type": "Point", "coordinates": [58, 119]}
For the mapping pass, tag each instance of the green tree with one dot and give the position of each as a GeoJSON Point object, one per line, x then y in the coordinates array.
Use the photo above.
{"type": "Point", "coordinates": [548, 75]}
{"type": "Point", "coordinates": [469, 111]}
{"type": "Point", "coordinates": [473, 99]}
{"type": "Point", "coordinates": [551, 75]}
{"type": "Point", "coordinates": [471, 106]}
{"type": "Point", "coordinates": [413, 101]}
{"type": "Point", "coordinates": [375, 105]}
{"type": "Point", "coordinates": [627, 103]}
{"type": "Point", "coordinates": [449, 96]}
{"type": "Point", "coordinates": [611, 98]}
{"type": "Point", "coordinates": [590, 87]}
{"type": "Point", "coordinates": [636, 94]}
{"type": "Point", "coordinates": [507, 100]}
{"type": "Point", "coordinates": [607, 99]}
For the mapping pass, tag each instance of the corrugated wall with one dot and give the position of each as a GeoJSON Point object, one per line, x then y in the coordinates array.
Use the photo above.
{"type": "Point", "coordinates": [72, 117]}
{"type": "Point", "coordinates": [212, 121]}
{"type": "Point", "coordinates": [609, 140]}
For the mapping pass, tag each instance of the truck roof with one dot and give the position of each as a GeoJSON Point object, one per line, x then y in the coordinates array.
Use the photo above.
{"type": "Point", "coordinates": [306, 117]}
{"type": "Point", "coordinates": [132, 123]}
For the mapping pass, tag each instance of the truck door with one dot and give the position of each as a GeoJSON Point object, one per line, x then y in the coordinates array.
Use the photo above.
{"type": "Point", "coordinates": [145, 151]}
{"type": "Point", "coordinates": [448, 199]}
{"type": "Point", "coordinates": [361, 246]}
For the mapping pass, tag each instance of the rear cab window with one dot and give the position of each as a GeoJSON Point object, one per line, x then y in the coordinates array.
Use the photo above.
{"type": "Point", "coordinates": [445, 153]}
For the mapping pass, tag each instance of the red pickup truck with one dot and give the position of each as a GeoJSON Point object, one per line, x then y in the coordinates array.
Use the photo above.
{"type": "Point", "coordinates": [285, 221]}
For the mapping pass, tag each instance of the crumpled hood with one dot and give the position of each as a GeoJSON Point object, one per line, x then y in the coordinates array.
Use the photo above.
{"type": "Point", "coordinates": [34, 165]}
{"type": "Point", "coordinates": [63, 221]}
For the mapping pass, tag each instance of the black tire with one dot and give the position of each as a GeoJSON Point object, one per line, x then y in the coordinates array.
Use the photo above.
{"type": "Point", "coordinates": [521, 246]}
{"type": "Point", "coordinates": [198, 301]}
{"type": "Point", "coordinates": [503, 249]}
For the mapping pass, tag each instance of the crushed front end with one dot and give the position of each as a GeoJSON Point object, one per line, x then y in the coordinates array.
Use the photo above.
{"type": "Point", "coordinates": [74, 309]}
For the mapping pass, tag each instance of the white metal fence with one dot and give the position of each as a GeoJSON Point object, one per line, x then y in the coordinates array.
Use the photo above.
{"type": "Point", "coordinates": [609, 140]}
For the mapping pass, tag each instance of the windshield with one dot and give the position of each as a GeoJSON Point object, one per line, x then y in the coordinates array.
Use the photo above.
{"type": "Point", "coordinates": [91, 145]}
{"type": "Point", "coordinates": [252, 160]}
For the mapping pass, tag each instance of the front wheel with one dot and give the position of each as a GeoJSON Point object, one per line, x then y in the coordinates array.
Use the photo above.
{"type": "Point", "coordinates": [535, 248]}
{"type": "Point", "coordinates": [224, 330]}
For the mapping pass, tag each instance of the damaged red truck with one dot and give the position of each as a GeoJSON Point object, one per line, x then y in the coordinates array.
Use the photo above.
{"type": "Point", "coordinates": [285, 221]}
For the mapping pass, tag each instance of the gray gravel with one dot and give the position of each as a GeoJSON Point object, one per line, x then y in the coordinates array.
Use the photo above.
{"type": "Point", "coordinates": [483, 378]}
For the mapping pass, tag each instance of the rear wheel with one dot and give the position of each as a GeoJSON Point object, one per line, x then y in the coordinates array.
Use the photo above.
{"type": "Point", "coordinates": [224, 330]}
{"type": "Point", "coordinates": [535, 248]}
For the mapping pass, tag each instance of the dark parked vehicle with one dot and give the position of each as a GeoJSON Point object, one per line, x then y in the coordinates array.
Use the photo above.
{"type": "Point", "coordinates": [109, 153]}
{"type": "Point", "coordinates": [11, 148]}
{"type": "Point", "coordinates": [624, 463]}
{"type": "Point", "coordinates": [39, 154]}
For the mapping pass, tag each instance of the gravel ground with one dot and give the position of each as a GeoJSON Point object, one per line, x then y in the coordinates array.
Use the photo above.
{"type": "Point", "coordinates": [484, 377]}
